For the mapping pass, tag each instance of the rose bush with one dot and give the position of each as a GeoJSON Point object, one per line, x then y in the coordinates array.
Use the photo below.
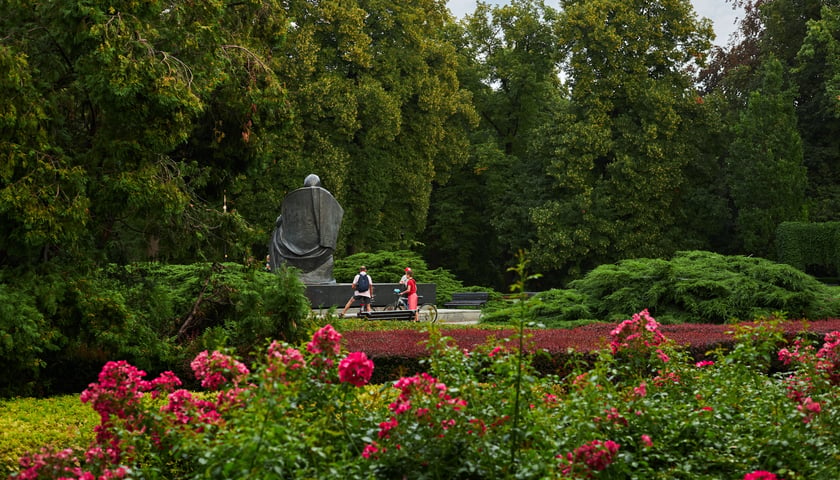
{"type": "Point", "coordinates": [642, 409]}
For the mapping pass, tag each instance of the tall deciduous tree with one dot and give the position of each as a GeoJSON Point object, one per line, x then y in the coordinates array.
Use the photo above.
{"type": "Point", "coordinates": [802, 35]}
{"type": "Point", "coordinates": [42, 199]}
{"type": "Point", "coordinates": [121, 86]}
{"type": "Point", "coordinates": [378, 108]}
{"type": "Point", "coordinates": [817, 75]}
{"type": "Point", "coordinates": [173, 130]}
{"type": "Point", "coordinates": [764, 170]}
{"type": "Point", "coordinates": [622, 153]}
{"type": "Point", "coordinates": [481, 218]}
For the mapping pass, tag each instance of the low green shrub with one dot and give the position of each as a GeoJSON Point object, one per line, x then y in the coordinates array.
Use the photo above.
{"type": "Point", "coordinates": [691, 287]}
{"type": "Point", "coordinates": [389, 267]}
{"type": "Point", "coordinates": [705, 287]}
{"type": "Point", "coordinates": [57, 330]}
{"type": "Point", "coordinates": [552, 309]}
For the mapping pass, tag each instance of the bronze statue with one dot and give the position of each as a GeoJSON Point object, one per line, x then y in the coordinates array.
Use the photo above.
{"type": "Point", "coordinates": [306, 231]}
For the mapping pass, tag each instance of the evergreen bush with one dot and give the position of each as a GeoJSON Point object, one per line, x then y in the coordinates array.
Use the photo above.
{"type": "Point", "coordinates": [389, 267]}
{"type": "Point", "coordinates": [57, 330]}
{"type": "Point", "coordinates": [705, 287]}
{"type": "Point", "coordinates": [558, 308]}
{"type": "Point", "coordinates": [691, 287]}
{"type": "Point", "coordinates": [25, 336]}
{"type": "Point", "coordinates": [810, 247]}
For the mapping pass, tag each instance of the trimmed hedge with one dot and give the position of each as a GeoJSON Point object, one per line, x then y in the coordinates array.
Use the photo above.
{"type": "Point", "coordinates": [810, 246]}
{"type": "Point", "coordinates": [29, 424]}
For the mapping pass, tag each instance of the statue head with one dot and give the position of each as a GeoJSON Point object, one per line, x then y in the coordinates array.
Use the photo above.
{"type": "Point", "coordinates": [312, 180]}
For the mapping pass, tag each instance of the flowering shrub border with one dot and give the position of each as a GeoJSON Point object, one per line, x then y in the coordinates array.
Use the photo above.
{"type": "Point", "coordinates": [642, 408]}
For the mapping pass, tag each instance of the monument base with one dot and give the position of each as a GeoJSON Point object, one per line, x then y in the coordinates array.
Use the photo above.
{"type": "Point", "coordinates": [336, 294]}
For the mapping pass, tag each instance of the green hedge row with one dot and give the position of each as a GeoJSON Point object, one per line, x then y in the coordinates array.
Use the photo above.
{"type": "Point", "coordinates": [55, 423]}
{"type": "Point", "coordinates": [810, 246]}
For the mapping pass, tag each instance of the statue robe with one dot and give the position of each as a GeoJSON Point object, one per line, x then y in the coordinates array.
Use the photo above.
{"type": "Point", "coordinates": [306, 232]}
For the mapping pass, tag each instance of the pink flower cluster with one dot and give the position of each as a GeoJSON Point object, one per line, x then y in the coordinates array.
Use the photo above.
{"type": "Point", "coordinates": [590, 457]}
{"type": "Point", "coordinates": [283, 361]}
{"type": "Point", "coordinates": [432, 401]}
{"type": "Point", "coordinates": [640, 331]}
{"type": "Point", "coordinates": [641, 390]}
{"type": "Point", "coordinates": [325, 345]}
{"type": "Point", "coordinates": [664, 378]}
{"type": "Point", "coordinates": [801, 353]}
{"type": "Point", "coordinates": [290, 357]}
{"type": "Point", "coordinates": [217, 369]}
{"type": "Point", "coordinates": [423, 384]}
{"type": "Point", "coordinates": [119, 390]}
{"type": "Point", "coordinates": [187, 410]}
{"type": "Point", "coordinates": [810, 408]}
{"type": "Point", "coordinates": [761, 475]}
{"type": "Point", "coordinates": [325, 341]}
{"type": "Point", "coordinates": [117, 398]}
{"type": "Point", "coordinates": [355, 368]}
{"type": "Point", "coordinates": [826, 360]}
{"type": "Point", "coordinates": [63, 465]}
{"type": "Point", "coordinates": [824, 364]}
{"type": "Point", "coordinates": [119, 395]}
{"type": "Point", "coordinates": [829, 357]}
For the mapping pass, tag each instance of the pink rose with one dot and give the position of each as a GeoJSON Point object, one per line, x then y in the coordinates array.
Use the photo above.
{"type": "Point", "coordinates": [355, 369]}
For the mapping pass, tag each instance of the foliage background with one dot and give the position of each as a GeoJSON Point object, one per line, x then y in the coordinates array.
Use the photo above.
{"type": "Point", "coordinates": [598, 133]}
{"type": "Point", "coordinates": [171, 132]}
{"type": "Point", "coordinates": [690, 287]}
{"type": "Point", "coordinates": [156, 316]}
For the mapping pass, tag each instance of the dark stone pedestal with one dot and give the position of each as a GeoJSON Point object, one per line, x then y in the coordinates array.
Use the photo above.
{"type": "Point", "coordinates": [337, 294]}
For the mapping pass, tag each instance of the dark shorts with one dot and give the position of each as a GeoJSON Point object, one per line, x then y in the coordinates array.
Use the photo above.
{"type": "Point", "coordinates": [364, 300]}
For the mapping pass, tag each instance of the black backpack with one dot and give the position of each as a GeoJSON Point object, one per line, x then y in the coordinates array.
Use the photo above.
{"type": "Point", "coordinates": [363, 284]}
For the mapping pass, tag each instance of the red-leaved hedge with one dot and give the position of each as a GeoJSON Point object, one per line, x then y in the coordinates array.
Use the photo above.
{"type": "Point", "coordinates": [398, 352]}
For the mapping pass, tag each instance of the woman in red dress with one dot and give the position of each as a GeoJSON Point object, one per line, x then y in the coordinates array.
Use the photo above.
{"type": "Point", "coordinates": [411, 292]}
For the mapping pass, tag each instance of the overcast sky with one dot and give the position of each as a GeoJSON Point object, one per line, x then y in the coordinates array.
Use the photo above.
{"type": "Point", "coordinates": [718, 11]}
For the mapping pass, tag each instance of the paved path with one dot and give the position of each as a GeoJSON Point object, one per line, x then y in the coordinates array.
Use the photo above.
{"type": "Point", "coordinates": [458, 315]}
{"type": "Point", "coordinates": [445, 315]}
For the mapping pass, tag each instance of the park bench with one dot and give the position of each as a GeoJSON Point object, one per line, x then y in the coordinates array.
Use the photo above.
{"type": "Point", "coordinates": [468, 299]}
{"type": "Point", "coordinates": [388, 315]}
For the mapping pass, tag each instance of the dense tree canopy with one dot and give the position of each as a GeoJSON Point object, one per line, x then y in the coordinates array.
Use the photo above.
{"type": "Point", "coordinates": [622, 149]}
{"type": "Point", "coordinates": [586, 134]}
{"type": "Point", "coordinates": [172, 131]}
{"type": "Point", "coordinates": [377, 111]}
{"type": "Point", "coordinates": [765, 172]}
{"type": "Point", "coordinates": [480, 218]}
{"type": "Point", "coordinates": [107, 162]}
